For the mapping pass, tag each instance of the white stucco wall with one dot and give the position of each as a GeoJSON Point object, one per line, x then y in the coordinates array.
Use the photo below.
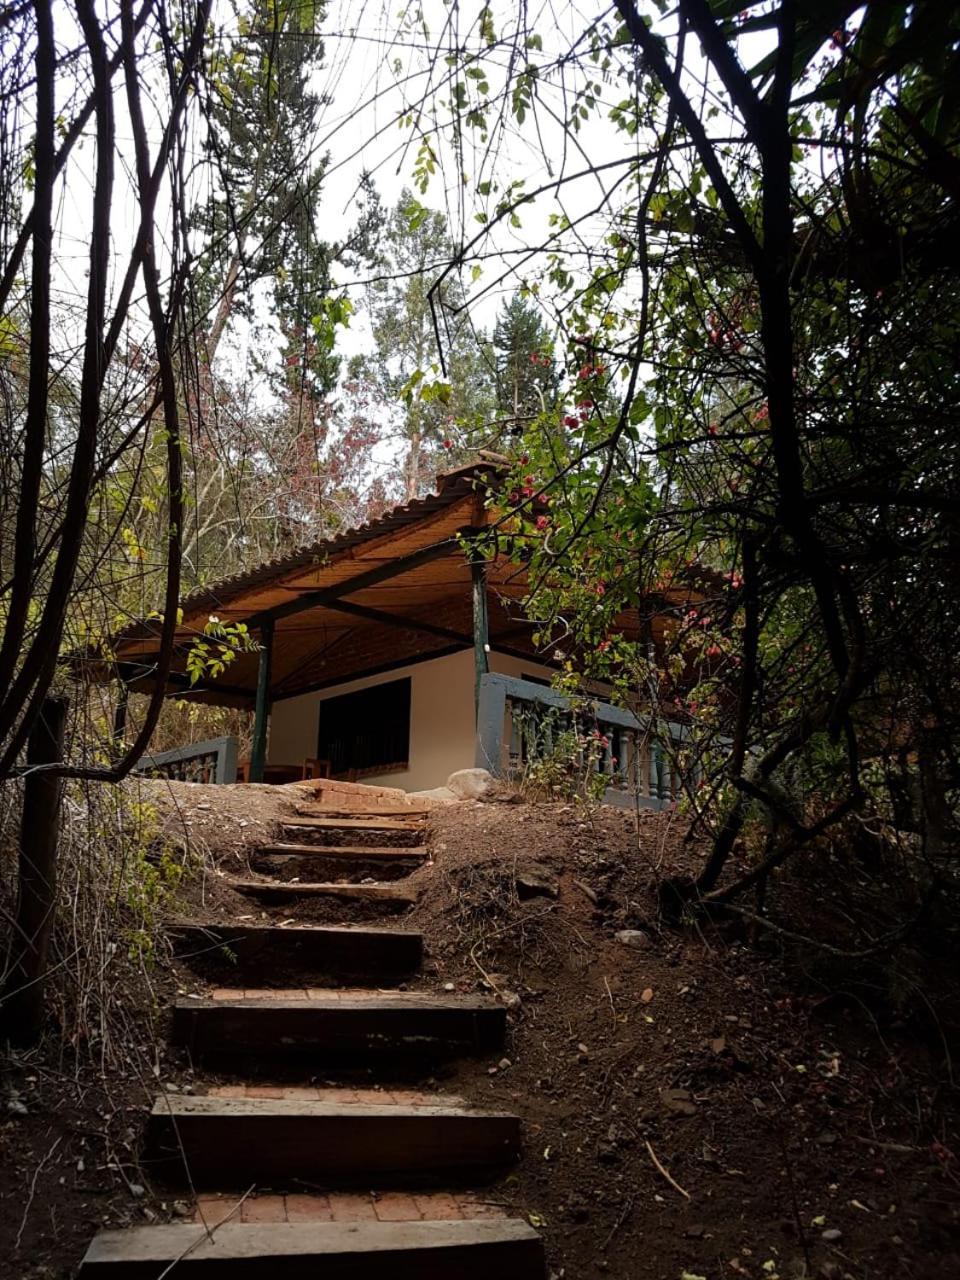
{"type": "Point", "coordinates": [442, 720]}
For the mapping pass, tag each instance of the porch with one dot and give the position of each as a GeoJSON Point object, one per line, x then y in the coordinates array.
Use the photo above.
{"type": "Point", "coordinates": [376, 653]}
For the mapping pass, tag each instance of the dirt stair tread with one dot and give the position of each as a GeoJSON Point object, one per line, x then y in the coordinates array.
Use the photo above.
{"type": "Point", "coordinates": [429, 1249]}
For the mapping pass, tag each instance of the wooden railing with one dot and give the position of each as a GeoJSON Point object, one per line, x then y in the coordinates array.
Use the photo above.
{"type": "Point", "coordinates": [519, 723]}
{"type": "Point", "coordinates": [212, 761]}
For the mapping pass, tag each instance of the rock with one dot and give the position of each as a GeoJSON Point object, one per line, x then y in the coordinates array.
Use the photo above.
{"type": "Point", "coordinates": [678, 1101]}
{"type": "Point", "coordinates": [504, 1063]}
{"type": "Point", "coordinates": [636, 939]}
{"type": "Point", "coordinates": [137, 1190]}
{"type": "Point", "coordinates": [695, 1231]}
{"type": "Point", "coordinates": [449, 986]}
{"type": "Point", "coordinates": [16, 1108]}
{"type": "Point", "coordinates": [440, 795]}
{"type": "Point", "coordinates": [831, 1235]}
{"type": "Point", "coordinates": [533, 880]}
{"type": "Point", "coordinates": [510, 999]}
{"type": "Point", "coordinates": [181, 1209]}
{"type": "Point", "coordinates": [471, 784]}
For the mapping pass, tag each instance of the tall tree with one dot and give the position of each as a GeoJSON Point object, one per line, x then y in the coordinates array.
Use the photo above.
{"type": "Point", "coordinates": [259, 222]}
{"type": "Point", "coordinates": [83, 381]}
{"type": "Point", "coordinates": [436, 415]}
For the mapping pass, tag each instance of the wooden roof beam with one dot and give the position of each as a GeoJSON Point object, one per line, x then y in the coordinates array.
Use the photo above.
{"type": "Point", "coordinates": [396, 620]}
{"type": "Point", "coordinates": [327, 596]}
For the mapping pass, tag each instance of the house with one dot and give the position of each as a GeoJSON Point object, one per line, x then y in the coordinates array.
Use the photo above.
{"type": "Point", "coordinates": [387, 654]}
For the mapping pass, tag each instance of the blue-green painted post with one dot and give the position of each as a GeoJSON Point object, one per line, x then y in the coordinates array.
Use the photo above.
{"type": "Point", "coordinates": [261, 712]}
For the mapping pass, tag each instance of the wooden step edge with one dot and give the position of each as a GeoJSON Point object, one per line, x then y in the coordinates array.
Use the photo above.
{"type": "Point", "coordinates": [349, 1003]}
{"type": "Point", "coordinates": [354, 824]}
{"type": "Point", "coordinates": [398, 811]}
{"type": "Point", "coordinates": [379, 892]}
{"type": "Point", "coordinates": [373, 853]}
{"type": "Point", "coordinates": [430, 1250]}
{"type": "Point", "coordinates": [204, 1106]}
{"type": "Point", "coordinates": [298, 930]}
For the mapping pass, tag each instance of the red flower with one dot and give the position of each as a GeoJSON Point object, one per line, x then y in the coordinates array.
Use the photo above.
{"type": "Point", "coordinates": [543, 522]}
{"type": "Point", "coordinates": [571, 421]}
{"type": "Point", "coordinates": [448, 444]}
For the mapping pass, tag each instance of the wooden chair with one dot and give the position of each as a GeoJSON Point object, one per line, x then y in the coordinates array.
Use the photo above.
{"type": "Point", "coordinates": [316, 768]}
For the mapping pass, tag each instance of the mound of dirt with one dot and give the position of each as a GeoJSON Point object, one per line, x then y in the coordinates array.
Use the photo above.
{"type": "Point", "coordinates": [694, 1105]}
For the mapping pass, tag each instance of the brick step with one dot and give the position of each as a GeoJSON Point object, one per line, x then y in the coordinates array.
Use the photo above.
{"type": "Point", "coordinates": [284, 1142]}
{"type": "Point", "coordinates": [339, 1026]}
{"type": "Point", "coordinates": [341, 864]}
{"type": "Point", "coordinates": [212, 1208]}
{"type": "Point", "coordinates": [266, 951]}
{"type": "Point", "coordinates": [430, 1250]}
{"type": "Point", "coordinates": [387, 895]}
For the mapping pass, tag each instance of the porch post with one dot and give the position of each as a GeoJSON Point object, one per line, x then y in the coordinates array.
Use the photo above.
{"type": "Point", "coordinates": [258, 749]}
{"type": "Point", "coordinates": [481, 626]}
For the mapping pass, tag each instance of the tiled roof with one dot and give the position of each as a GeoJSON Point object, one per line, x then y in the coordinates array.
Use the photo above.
{"type": "Point", "coordinates": [450, 487]}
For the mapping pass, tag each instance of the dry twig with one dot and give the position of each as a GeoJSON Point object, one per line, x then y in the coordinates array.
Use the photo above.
{"type": "Point", "coordinates": [661, 1170]}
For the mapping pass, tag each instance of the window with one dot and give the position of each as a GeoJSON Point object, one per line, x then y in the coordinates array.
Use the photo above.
{"type": "Point", "coordinates": [368, 731]}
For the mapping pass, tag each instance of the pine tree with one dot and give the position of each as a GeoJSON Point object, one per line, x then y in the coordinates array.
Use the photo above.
{"type": "Point", "coordinates": [526, 375]}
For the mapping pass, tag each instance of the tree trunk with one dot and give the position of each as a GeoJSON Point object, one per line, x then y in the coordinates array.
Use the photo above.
{"type": "Point", "coordinates": [21, 1006]}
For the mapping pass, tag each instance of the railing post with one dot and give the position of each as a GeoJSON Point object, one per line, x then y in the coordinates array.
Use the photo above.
{"type": "Point", "coordinates": [491, 710]}
{"type": "Point", "coordinates": [258, 748]}
{"type": "Point", "coordinates": [481, 626]}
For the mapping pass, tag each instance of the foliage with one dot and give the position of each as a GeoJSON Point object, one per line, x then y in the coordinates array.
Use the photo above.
{"type": "Point", "coordinates": [755, 447]}
{"type": "Point", "coordinates": [564, 758]}
{"type": "Point", "coordinates": [119, 877]}
{"type": "Point", "coordinates": [438, 409]}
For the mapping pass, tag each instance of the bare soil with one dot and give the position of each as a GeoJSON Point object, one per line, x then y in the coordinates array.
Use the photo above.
{"type": "Point", "coordinates": [714, 1100]}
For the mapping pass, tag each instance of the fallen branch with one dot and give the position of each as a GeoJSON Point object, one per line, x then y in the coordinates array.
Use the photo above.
{"type": "Point", "coordinates": [207, 1234]}
{"type": "Point", "coordinates": [621, 1219]}
{"type": "Point", "coordinates": [33, 1192]}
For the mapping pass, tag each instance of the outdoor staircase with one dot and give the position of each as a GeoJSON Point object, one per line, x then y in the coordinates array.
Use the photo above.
{"type": "Point", "coordinates": [326, 1182]}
